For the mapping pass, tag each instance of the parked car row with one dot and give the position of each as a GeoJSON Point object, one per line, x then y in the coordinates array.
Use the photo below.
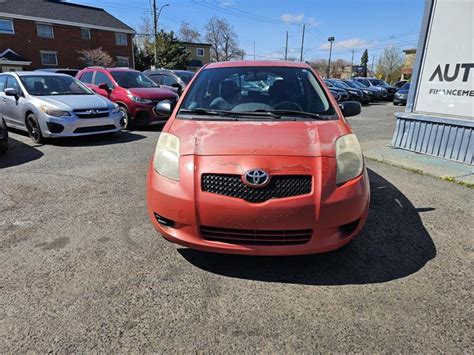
{"type": "Point", "coordinates": [363, 90]}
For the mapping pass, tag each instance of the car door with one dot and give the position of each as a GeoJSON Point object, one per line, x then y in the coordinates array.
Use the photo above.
{"type": "Point", "coordinates": [102, 78]}
{"type": "Point", "coordinates": [12, 105]}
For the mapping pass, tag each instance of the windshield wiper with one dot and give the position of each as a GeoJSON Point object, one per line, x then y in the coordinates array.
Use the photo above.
{"type": "Point", "coordinates": [279, 113]}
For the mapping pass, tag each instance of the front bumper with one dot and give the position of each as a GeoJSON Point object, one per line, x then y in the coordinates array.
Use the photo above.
{"type": "Point", "coordinates": [53, 127]}
{"type": "Point", "coordinates": [145, 114]}
{"type": "Point", "coordinates": [323, 211]}
{"type": "Point", "coordinates": [400, 99]}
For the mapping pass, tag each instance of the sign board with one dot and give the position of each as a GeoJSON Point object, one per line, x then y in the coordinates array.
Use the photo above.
{"type": "Point", "coordinates": [446, 81]}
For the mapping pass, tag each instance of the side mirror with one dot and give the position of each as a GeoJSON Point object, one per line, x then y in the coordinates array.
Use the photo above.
{"type": "Point", "coordinates": [104, 86]}
{"type": "Point", "coordinates": [350, 108]}
{"type": "Point", "coordinates": [12, 92]}
{"type": "Point", "coordinates": [164, 108]}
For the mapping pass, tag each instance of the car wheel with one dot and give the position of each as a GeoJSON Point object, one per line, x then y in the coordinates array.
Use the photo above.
{"type": "Point", "coordinates": [395, 104]}
{"type": "Point", "coordinates": [4, 141]}
{"type": "Point", "coordinates": [34, 129]}
{"type": "Point", "coordinates": [127, 121]}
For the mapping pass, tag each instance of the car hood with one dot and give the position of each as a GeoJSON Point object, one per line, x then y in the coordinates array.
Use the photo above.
{"type": "Point", "coordinates": [153, 93]}
{"type": "Point", "coordinates": [285, 138]}
{"type": "Point", "coordinates": [77, 102]}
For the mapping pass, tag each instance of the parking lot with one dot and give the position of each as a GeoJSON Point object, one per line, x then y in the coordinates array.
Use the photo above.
{"type": "Point", "coordinates": [84, 270]}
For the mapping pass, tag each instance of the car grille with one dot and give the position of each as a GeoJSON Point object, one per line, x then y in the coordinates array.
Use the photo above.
{"type": "Point", "coordinates": [94, 129]}
{"type": "Point", "coordinates": [391, 90]}
{"type": "Point", "coordinates": [280, 186]}
{"type": "Point", "coordinates": [92, 113]}
{"type": "Point", "coordinates": [256, 237]}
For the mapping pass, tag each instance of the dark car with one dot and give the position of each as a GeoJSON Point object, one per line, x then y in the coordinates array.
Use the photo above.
{"type": "Point", "coordinates": [68, 71]}
{"type": "Point", "coordinates": [3, 136]}
{"type": "Point", "coordinates": [401, 95]}
{"type": "Point", "coordinates": [134, 92]}
{"type": "Point", "coordinates": [343, 94]}
{"type": "Point", "coordinates": [354, 94]}
{"type": "Point", "coordinates": [174, 80]}
{"type": "Point", "coordinates": [336, 95]}
{"type": "Point", "coordinates": [373, 95]}
{"type": "Point", "coordinates": [400, 83]}
{"type": "Point", "coordinates": [384, 90]}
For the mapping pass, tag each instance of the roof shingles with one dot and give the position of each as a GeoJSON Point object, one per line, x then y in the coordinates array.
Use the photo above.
{"type": "Point", "coordinates": [62, 11]}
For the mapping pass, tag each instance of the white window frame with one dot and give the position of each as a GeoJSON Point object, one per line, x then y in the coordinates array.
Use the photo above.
{"type": "Point", "coordinates": [44, 24]}
{"type": "Point", "coordinates": [198, 50]}
{"type": "Point", "coordinates": [124, 59]}
{"type": "Point", "coordinates": [13, 27]}
{"type": "Point", "coordinates": [88, 31]}
{"type": "Point", "coordinates": [118, 35]}
{"type": "Point", "coordinates": [49, 52]}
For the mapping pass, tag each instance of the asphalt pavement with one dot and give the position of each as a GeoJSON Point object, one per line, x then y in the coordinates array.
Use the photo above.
{"type": "Point", "coordinates": [82, 268]}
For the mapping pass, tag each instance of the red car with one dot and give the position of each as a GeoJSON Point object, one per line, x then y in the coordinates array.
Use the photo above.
{"type": "Point", "coordinates": [134, 92]}
{"type": "Point", "coordinates": [257, 158]}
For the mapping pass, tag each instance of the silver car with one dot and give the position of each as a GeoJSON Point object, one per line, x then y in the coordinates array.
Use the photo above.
{"type": "Point", "coordinates": [48, 105]}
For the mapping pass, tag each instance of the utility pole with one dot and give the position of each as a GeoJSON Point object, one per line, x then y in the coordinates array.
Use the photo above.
{"type": "Point", "coordinates": [352, 62]}
{"type": "Point", "coordinates": [302, 43]}
{"type": "Point", "coordinates": [330, 39]}
{"type": "Point", "coordinates": [156, 16]}
{"type": "Point", "coordinates": [286, 46]}
{"type": "Point", "coordinates": [253, 50]}
{"type": "Point", "coordinates": [373, 61]}
{"type": "Point", "coordinates": [155, 32]}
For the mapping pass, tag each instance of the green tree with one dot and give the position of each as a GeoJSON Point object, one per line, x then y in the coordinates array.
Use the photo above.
{"type": "Point", "coordinates": [171, 53]}
{"type": "Point", "coordinates": [364, 61]}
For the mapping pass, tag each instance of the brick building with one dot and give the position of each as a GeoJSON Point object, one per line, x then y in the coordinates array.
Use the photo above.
{"type": "Point", "coordinates": [49, 33]}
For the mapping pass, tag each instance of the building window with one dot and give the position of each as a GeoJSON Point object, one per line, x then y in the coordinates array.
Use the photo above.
{"type": "Point", "coordinates": [123, 62]}
{"type": "Point", "coordinates": [49, 58]}
{"type": "Point", "coordinates": [45, 31]}
{"type": "Point", "coordinates": [200, 52]}
{"type": "Point", "coordinates": [6, 26]}
{"type": "Point", "coordinates": [85, 33]}
{"type": "Point", "coordinates": [121, 39]}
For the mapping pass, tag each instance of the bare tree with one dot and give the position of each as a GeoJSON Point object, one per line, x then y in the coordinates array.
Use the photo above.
{"type": "Point", "coordinates": [320, 65]}
{"type": "Point", "coordinates": [223, 39]}
{"type": "Point", "coordinates": [96, 56]}
{"type": "Point", "coordinates": [188, 34]}
{"type": "Point", "coordinates": [390, 63]}
{"type": "Point", "coordinates": [338, 66]}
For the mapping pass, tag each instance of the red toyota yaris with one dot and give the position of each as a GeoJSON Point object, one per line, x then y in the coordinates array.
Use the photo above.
{"type": "Point", "coordinates": [257, 158]}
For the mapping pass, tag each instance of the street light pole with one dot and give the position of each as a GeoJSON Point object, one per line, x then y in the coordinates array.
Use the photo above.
{"type": "Point", "coordinates": [286, 46]}
{"type": "Point", "coordinates": [330, 39]}
{"type": "Point", "coordinates": [156, 16]}
{"type": "Point", "coordinates": [302, 43]}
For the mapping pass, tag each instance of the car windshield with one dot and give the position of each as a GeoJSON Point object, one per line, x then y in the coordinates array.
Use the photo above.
{"type": "Point", "coordinates": [185, 76]}
{"type": "Point", "coordinates": [132, 79]}
{"type": "Point", "coordinates": [340, 84]}
{"type": "Point", "coordinates": [257, 90]}
{"type": "Point", "coordinates": [357, 84]}
{"type": "Point", "coordinates": [405, 86]}
{"type": "Point", "coordinates": [378, 82]}
{"type": "Point", "coordinates": [352, 84]}
{"type": "Point", "coordinates": [45, 85]}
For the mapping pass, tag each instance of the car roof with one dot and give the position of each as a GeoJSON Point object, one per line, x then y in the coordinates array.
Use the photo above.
{"type": "Point", "coordinates": [43, 73]}
{"type": "Point", "coordinates": [257, 63]}
{"type": "Point", "coordinates": [110, 69]}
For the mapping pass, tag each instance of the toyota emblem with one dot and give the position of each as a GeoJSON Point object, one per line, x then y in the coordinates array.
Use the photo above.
{"type": "Point", "coordinates": [256, 178]}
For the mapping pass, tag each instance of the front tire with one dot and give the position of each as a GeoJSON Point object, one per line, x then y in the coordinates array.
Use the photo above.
{"type": "Point", "coordinates": [128, 122]}
{"type": "Point", "coordinates": [34, 129]}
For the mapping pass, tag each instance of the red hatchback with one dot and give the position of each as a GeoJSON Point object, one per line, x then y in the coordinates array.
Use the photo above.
{"type": "Point", "coordinates": [134, 92]}
{"type": "Point", "coordinates": [257, 158]}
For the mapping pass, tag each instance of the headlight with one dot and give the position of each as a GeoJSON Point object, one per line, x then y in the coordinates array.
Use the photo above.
{"type": "Point", "coordinates": [139, 99]}
{"type": "Point", "coordinates": [116, 109]}
{"type": "Point", "coordinates": [54, 112]}
{"type": "Point", "coordinates": [166, 158]}
{"type": "Point", "coordinates": [367, 92]}
{"type": "Point", "coordinates": [353, 92]}
{"type": "Point", "coordinates": [349, 158]}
